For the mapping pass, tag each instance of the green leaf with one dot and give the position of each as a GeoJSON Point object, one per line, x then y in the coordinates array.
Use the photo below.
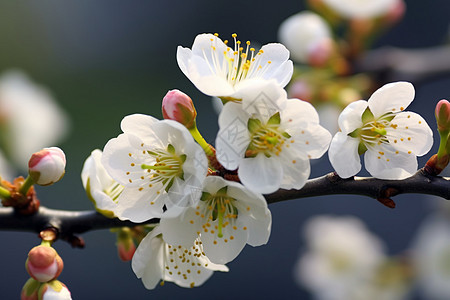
{"type": "Point", "coordinates": [367, 116]}
{"type": "Point", "coordinates": [275, 119]}
{"type": "Point", "coordinates": [253, 125]}
{"type": "Point", "coordinates": [183, 157]}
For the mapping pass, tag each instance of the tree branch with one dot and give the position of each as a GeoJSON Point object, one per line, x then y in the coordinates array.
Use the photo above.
{"type": "Point", "coordinates": [416, 65]}
{"type": "Point", "coordinates": [70, 223]}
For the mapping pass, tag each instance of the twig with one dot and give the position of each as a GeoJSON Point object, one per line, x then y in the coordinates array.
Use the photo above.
{"type": "Point", "coordinates": [70, 223]}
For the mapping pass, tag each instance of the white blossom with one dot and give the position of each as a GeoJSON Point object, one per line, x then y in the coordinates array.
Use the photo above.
{"type": "Point", "coordinates": [341, 256]}
{"type": "Point", "coordinates": [158, 163]}
{"type": "Point", "coordinates": [227, 217]}
{"type": "Point", "coordinates": [270, 138]}
{"type": "Point", "coordinates": [217, 69]}
{"type": "Point", "coordinates": [359, 9]}
{"type": "Point", "coordinates": [390, 137]}
{"type": "Point", "coordinates": [301, 32]}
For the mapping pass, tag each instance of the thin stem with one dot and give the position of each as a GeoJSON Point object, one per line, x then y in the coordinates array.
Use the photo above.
{"type": "Point", "coordinates": [201, 141]}
{"type": "Point", "coordinates": [26, 185]}
{"type": "Point", "coordinates": [4, 193]}
{"type": "Point", "coordinates": [442, 143]}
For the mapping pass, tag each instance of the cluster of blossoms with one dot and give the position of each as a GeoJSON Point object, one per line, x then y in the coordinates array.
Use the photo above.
{"type": "Point", "coordinates": [209, 200]}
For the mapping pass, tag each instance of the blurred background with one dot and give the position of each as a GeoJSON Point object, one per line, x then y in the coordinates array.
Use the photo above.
{"type": "Point", "coordinates": [102, 60]}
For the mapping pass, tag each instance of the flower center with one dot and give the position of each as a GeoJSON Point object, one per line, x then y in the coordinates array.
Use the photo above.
{"type": "Point", "coordinates": [238, 63]}
{"type": "Point", "coordinates": [266, 138]}
{"type": "Point", "coordinates": [166, 167]}
{"type": "Point", "coordinates": [218, 207]}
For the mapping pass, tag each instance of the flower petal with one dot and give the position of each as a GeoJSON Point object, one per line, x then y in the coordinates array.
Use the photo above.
{"type": "Point", "coordinates": [233, 136]}
{"type": "Point", "coordinates": [274, 63]}
{"type": "Point", "coordinates": [385, 162]}
{"type": "Point", "coordinates": [181, 230]}
{"type": "Point", "coordinates": [261, 174]}
{"type": "Point", "coordinates": [147, 261]}
{"type": "Point", "coordinates": [350, 117]}
{"type": "Point", "coordinates": [391, 97]}
{"type": "Point", "coordinates": [343, 155]}
{"type": "Point", "coordinates": [410, 132]}
{"type": "Point", "coordinates": [138, 206]}
{"type": "Point", "coordinates": [296, 169]}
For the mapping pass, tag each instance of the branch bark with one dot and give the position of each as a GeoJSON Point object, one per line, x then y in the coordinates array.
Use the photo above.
{"type": "Point", "coordinates": [68, 224]}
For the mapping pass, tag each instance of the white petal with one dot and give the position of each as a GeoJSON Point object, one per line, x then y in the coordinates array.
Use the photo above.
{"type": "Point", "coordinates": [137, 206]}
{"type": "Point", "coordinates": [233, 136]}
{"type": "Point", "coordinates": [261, 174]}
{"type": "Point", "coordinates": [385, 162]}
{"type": "Point", "coordinates": [410, 132]}
{"type": "Point", "coordinates": [299, 113]}
{"type": "Point", "coordinates": [261, 98]}
{"type": "Point", "coordinates": [181, 230]}
{"type": "Point", "coordinates": [350, 117]}
{"type": "Point", "coordinates": [343, 155]}
{"type": "Point", "coordinates": [147, 261]}
{"type": "Point", "coordinates": [274, 64]}
{"type": "Point", "coordinates": [221, 250]}
{"type": "Point", "coordinates": [139, 125]}
{"type": "Point", "coordinates": [296, 169]}
{"type": "Point", "coordinates": [391, 97]}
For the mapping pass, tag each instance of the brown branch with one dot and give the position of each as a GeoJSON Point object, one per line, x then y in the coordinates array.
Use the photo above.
{"type": "Point", "coordinates": [70, 223]}
{"type": "Point", "coordinates": [416, 65]}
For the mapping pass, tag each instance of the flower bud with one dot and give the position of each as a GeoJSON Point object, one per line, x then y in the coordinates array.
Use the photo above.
{"type": "Point", "coordinates": [179, 107]}
{"type": "Point", "coordinates": [442, 113]}
{"type": "Point", "coordinates": [54, 290]}
{"type": "Point", "coordinates": [47, 166]}
{"type": "Point", "coordinates": [44, 263]}
{"type": "Point", "coordinates": [301, 32]}
{"type": "Point", "coordinates": [30, 290]}
{"type": "Point", "coordinates": [125, 244]}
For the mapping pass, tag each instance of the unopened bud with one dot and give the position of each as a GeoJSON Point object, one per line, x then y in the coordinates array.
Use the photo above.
{"type": "Point", "coordinates": [125, 244]}
{"type": "Point", "coordinates": [54, 290]}
{"type": "Point", "coordinates": [43, 263]}
{"type": "Point", "coordinates": [300, 32]}
{"type": "Point", "coordinates": [179, 107]}
{"type": "Point", "coordinates": [442, 113]}
{"type": "Point", "coordinates": [47, 166]}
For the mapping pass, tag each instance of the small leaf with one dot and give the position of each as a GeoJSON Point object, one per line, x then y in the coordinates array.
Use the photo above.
{"type": "Point", "coordinates": [183, 157]}
{"type": "Point", "coordinates": [205, 196]}
{"type": "Point", "coordinates": [253, 125]}
{"type": "Point", "coordinates": [355, 133]}
{"type": "Point", "coordinates": [286, 135]}
{"type": "Point", "coordinates": [275, 119]}
{"type": "Point", "coordinates": [367, 116]}
{"type": "Point", "coordinates": [222, 191]}
{"type": "Point", "coordinates": [171, 149]}
{"type": "Point", "coordinates": [361, 148]}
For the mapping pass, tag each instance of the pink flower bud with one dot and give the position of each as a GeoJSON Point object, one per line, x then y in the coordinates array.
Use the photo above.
{"type": "Point", "coordinates": [179, 107]}
{"type": "Point", "coordinates": [47, 166]}
{"type": "Point", "coordinates": [442, 113]}
{"type": "Point", "coordinates": [125, 244]}
{"type": "Point", "coordinates": [54, 290]}
{"type": "Point", "coordinates": [44, 263]}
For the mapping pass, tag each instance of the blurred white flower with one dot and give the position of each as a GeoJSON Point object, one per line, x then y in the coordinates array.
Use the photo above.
{"type": "Point", "coordinates": [431, 256]}
{"type": "Point", "coordinates": [216, 69]}
{"type": "Point", "coordinates": [302, 33]}
{"type": "Point", "coordinates": [341, 255]}
{"type": "Point", "coordinates": [359, 9]}
{"type": "Point", "coordinates": [29, 118]}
